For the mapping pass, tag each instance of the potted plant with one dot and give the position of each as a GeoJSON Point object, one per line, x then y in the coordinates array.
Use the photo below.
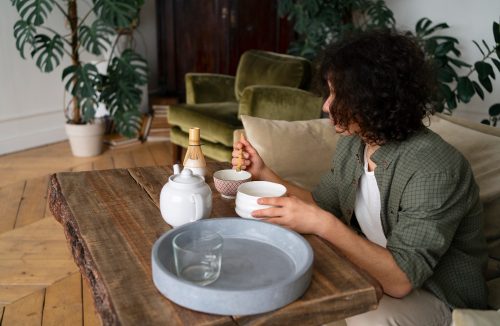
{"type": "Point", "coordinates": [97, 32]}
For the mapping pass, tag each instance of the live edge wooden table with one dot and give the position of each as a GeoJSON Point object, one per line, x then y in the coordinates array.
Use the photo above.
{"type": "Point", "coordinates": [112, 219]}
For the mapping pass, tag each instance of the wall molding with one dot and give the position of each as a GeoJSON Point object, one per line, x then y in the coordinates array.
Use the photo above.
{"type": "Point", "coordinates": [31, 131]}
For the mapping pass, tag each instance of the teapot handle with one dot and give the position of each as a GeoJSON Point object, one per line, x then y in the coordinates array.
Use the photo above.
{"type": "Point", "coordinates": [198, 207]}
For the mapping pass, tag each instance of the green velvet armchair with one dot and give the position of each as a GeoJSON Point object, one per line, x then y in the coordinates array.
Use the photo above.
{"type": "Point", "coordinates": [267, 85]}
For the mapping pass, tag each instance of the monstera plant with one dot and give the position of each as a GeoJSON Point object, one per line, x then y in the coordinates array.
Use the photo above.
{"type": "Point", "coordinates": [96, 30]}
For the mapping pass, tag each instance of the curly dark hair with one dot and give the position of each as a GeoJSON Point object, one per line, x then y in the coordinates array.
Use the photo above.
{"type": "Point", "coordinates": [381, 81]}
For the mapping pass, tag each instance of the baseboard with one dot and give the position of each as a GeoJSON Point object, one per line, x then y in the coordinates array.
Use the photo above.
{"type": "Point", "coordinates": [27, 132]}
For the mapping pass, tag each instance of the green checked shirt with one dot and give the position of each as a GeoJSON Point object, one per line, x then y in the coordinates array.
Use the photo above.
{"type": "Point", "coordinates": [430, 212]}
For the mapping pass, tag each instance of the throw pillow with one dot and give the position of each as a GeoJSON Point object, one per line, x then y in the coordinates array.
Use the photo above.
{"type": "Point", "coordinates": [298, 151]}
{"type": "Point", "coordinates": [482, 150]}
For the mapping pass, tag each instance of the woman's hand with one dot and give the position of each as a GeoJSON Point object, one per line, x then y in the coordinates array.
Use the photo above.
{"type": "Point", "coordinates": [252, 162]}
{"type": "Point", "coordinates": [295, 214]}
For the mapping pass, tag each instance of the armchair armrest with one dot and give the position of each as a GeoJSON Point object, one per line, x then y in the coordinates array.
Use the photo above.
{"type": "Point", "coordinates": [279, 103]}
{"type": "Point", "coordinates": [209, 88]}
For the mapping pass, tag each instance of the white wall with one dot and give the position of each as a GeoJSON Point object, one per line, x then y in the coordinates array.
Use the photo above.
{"type": "Point", "coordinates": [31, 102]}
{"type": "Point", "coordinates": [468, 20]}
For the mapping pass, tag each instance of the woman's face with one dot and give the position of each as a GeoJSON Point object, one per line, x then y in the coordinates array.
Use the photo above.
{"type": "Point", "coordinates": [351, 129]}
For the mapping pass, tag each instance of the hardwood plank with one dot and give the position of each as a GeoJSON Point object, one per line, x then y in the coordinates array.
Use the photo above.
{"type": "Point", "coordinates": [9, 205]}
{"type": "Point", "coordinates": [1, 314]}
{"type": "Point", "coordinates": [143, 157]}
{"type": "Point", "coordinates": [63, 302]}
{"type": "Point", "coordinates": [26, 311]}
{"type": "Point", "coordinates": [83, 167]}
{"type": "Point", "coordinates": [90, 316]}
{"type": "Point", "coordinates": [123, 159]}
{"type": "Point", "coordinates": [103, 163]}
{"type": "Point", "coordinates": [32, 206]}
{"type": "Point", "coordinates": [119, 224]}
{"type": "Point", "coordinates": [162, 153]}
{"type": "Point", "coordinates": [32, 257]}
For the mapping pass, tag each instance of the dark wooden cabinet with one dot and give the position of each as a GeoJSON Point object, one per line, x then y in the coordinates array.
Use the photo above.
{"type": "Point", "coordinates": [211, 35]}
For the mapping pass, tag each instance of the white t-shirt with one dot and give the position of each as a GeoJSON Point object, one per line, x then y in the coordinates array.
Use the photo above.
{"type": "Point", "coordinates": [367, 207]}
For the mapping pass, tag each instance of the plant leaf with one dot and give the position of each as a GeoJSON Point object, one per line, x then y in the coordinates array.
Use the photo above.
{"type": "Point", "coordinates": [49, 52]}
{"type": "Point", "coordinates": [484, 70]}
{"type": "Point", "coordinates": [34, 11]}
{"type": "Point", "coordinates": [130, 65]}
{"type": "Point", "coordinates": [494, 110]}
{"type": "Point", "coordinates": [485, 122]}
{"type": "Point", "coordinates": [486, 82]}
{"type": "Point", "coordinates": [497, 63]}
{"type": "Point", "coordinates": [82, 81]}
{"type": "Point", "coordinates": [451, 102]}
{"type": "Point", "coordinates": [117, 13]}
{"type": "Point", "coordinates": [465, 89]}
{"type": "Point", "coordinates": [479, 47]}
{"type": "Point", "coordinates": [435, 28]}
{"type": "Point", "coordinates": [459, 63]}
{"type": "Point", "coordinates": [496, 32]}
{"type": "Point", "coordinates": [478, 90]}
{"type": "Point", "coordinates": [96, 37]}
{"type": "Point", "coordinates": [128, 123]}
{"type": "Point", "coordinates": [88, 107]}
{"type": "Point", "coordinates": [24, 33]}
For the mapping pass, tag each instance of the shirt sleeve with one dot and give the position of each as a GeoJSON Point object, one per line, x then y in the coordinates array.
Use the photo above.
{"type": "Point", "coordinates": [431, 209]}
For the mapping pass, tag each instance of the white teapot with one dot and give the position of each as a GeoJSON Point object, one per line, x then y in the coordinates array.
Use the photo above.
{"type": "Point", "coordinates": [185, 198]}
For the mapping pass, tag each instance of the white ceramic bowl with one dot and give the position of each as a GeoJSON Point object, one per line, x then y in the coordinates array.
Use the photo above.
{"type": "Point", "coordinates": [249, 192]}
{"type": "Point", "coordinates": [227, 181]}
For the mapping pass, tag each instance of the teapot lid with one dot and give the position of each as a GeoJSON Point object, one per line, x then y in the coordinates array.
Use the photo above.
{"type": "Point", "coordinates": [187, 177]}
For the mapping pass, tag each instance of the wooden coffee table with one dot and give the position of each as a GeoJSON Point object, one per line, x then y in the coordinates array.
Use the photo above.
{"type": "Point", "coordinates": [111, 219]}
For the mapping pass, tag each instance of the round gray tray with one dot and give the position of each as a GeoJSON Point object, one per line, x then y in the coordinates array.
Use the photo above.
{"type": "Point", "coordinates": [264, 267]}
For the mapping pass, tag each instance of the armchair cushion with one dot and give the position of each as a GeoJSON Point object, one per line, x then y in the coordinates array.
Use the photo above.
{"type": "Point", "coordinates": [217, 121]}
{"type": "Point", "coordinates": [209, 88]}
{"type": "Point", "coordinates": [279, 103]}
{"type": "Point", "coordinates": [268, 68]}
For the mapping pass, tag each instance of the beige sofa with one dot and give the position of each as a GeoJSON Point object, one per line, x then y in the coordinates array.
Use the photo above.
{"type": "Point", "coordinates": [283, 145]}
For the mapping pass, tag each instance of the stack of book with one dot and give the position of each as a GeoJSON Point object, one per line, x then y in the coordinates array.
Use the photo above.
{"type": "Point", "coordinates": [160, 129]}
{"type": "Point", "coordinates": [115, 140]}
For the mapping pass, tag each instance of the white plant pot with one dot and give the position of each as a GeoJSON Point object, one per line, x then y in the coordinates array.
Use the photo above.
{"type": "Point", "coordinates": [86, 140]}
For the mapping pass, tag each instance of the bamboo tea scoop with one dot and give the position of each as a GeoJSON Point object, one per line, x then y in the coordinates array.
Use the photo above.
{"type": "Point", "coordinates": [240, 155]}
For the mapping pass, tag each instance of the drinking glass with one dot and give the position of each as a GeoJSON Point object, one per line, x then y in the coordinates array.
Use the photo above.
{"type": "Point", "coordinates": [198, 256]}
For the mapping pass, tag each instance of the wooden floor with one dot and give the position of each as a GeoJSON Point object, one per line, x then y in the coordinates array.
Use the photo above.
{"type": "Point", "coordinates": [39, 282]}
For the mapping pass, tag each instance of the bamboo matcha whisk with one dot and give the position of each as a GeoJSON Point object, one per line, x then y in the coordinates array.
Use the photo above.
{"type": "Point", "coordinates": [194, 159]}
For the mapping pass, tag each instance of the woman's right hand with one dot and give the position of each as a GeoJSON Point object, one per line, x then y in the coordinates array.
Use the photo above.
{"type": "Point", "coordinates": [251, 160]}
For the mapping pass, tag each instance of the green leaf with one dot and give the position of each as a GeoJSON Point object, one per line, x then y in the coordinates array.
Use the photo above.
{"type": "Point", "coordinates": [130, 65]}
{"type": "Point", "coordinates": [451, 102]}
{"type": "Point", "coordinates": [49, 52]}
{"type": "Point", "coordinates": [459, 63]}
{"type": "Point", "coordinates": [34, 11]}
{"type": "Point", "coordinates": [82, 81]}
{"type": "Point", "coordinates": [435, 28]}
{"type": "Point", "coordinates": [496, 32]}
{"type": "Point", "coordinates": [479, 47]}
{"type": "Point", "coordinates": [465, 89]}
{"type": "Point", "coordinates": [96, 37]}
{"type": "Point", "coordinates": [128, 123]}
{"type": "Point", "coordinates": [88, 106]}
{"type": "Point", "coordinates": [496, 62]}
{"type": "Point", "coordinates": [117, 13]}
{"type": "Point", "coordinates": [445, 91]}
{"type": "Point", "coordinates": [486, 46]}
{"type": "Point", "coordinates": [478, 90]}
{"type": "Point", "coordinates": [443, 48]}
{"type": "Point", "coordinates": [486, 82]}
{"type": "Point", "coordinates": [484, 70]}
{"type": "Point", "coordinates": [485, 122]}
{"type": "Point", "coordinates": [422, 25]}
{"type": "Point", "coordinates": [24, 33]}
{"type": "Point", "coordinates": [446, 74]}
{"type": "Point", "coordinates": [494, 110]}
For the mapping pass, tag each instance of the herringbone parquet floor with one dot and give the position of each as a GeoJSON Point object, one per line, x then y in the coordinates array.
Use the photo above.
{"type": "Point", "coordinates": [39, 282]}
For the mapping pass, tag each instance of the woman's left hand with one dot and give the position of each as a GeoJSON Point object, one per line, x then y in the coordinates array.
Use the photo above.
{"type": "Point", "coordinates": [293, 213]}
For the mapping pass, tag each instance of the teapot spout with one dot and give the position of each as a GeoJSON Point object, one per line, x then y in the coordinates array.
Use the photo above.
{"type": "Point", "coordinates": [177, 168]}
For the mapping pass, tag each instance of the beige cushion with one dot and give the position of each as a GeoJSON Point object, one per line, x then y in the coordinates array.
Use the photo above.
{"type": "Point", "coordinates": [482, 150]}
{"type": "Point", "coordinates": [298, 151]}
{"type": "Point", "coordinates": [468, 317]}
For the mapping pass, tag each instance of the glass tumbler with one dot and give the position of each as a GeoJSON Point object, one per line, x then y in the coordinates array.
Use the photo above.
{"type": "Point", "coordinates": [198, 256]}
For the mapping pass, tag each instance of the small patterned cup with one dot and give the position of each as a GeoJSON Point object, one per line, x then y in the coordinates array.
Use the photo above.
{"type": "Point", "coordinates": [227, 181]}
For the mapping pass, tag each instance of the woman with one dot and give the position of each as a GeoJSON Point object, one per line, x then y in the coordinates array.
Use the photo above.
{"type": "Point", "coordinates": [399, 202]}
